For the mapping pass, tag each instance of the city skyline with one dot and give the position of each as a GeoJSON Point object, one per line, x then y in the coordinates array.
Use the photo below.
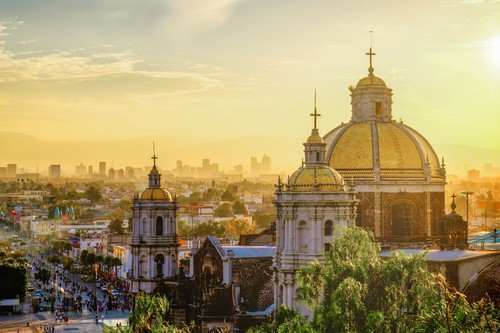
{"type": "Point", "coordinates": [109, 84]}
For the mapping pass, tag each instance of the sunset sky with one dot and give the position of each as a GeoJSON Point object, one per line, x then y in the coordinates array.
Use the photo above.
{"type": "Point", "coordinates": [219, 69]}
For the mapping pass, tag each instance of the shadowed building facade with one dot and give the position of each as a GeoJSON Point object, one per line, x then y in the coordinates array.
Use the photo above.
{"type": "Point", "coordinates": [312, 209]}
{"type": "Point", "coordinates": [397, 174]}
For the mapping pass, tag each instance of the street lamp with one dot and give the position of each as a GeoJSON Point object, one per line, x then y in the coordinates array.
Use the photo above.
{"type": "Point", "coordinates": [467, 193]}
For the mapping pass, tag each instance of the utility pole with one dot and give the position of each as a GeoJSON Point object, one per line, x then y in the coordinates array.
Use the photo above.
{"type": "Point", "coordinates": [467, 193]}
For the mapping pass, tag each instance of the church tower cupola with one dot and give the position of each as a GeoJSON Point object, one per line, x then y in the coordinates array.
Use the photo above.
{"type": "Point", "coordinates": [154, 175]}
{"type": "Point", "coordinates": [315, 147]}
{"type": "Point", "coordinates": [371, 99]}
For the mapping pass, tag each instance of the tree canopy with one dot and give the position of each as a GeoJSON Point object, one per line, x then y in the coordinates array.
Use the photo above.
{"type": "Point", "coordinates": [355, 290]}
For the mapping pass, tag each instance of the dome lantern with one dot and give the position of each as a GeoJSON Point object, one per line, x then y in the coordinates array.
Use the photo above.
{"type": "Point", "coordinates": [371, 99]}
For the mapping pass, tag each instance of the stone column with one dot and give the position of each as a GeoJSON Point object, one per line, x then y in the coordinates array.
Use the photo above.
{"type": "Point", "coordinates": [290, 294]}
{"type": "Point", "coordinates": [428, 214]}
{"type": "Point", "coordinates": [378, 215]}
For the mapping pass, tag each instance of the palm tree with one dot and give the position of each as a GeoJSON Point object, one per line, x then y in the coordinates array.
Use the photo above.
{"type": "Point", "coordinates": [116, 262]}
{"type": "Point", "coordinates": [99, 259]}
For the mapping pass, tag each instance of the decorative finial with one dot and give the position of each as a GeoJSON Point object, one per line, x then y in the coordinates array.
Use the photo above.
{"type": "Point", "coordinates": [442, 162]}
{"type": "Point", "coordinates": [453, 205]}
{"type": "Point", "coordinates": [351, 184]}
{"type": "Point", "coordinates": [154, 158]}
{"type": "Point", "coordinates": [370, 69]}
{"type": "Point", "coordinates": [427, 159]}
{"type": "Point", "coordinates": [315, 114]}
{"type": "Point", "coordinates": [279, 185]}
{"type": "Point", "coordinates": [303, 162]}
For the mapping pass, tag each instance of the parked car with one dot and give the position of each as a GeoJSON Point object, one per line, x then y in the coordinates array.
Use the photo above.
{"type": "Point", "coordinates": [39, 293]}
{"type": "Point", "coordinates": [115, 292]}
{"type": "Point", "coordinates": [31, 287]}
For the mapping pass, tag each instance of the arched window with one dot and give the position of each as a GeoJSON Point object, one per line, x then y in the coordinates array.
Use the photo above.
{"type": "Point", "coordinates": [143, 267]}
{"type": "Point", "coordinates": [329, 228]}
{"type": "Point", "coordinates": [160, 261]}
{"type": "Point", "coordinates": [172, 226]}
{"type": "Point", "coordinates": [402, 220]}
{"type": "Point", "coordinates": [303, 236]}
{"type": "Point", "coordinates": [159, 226]}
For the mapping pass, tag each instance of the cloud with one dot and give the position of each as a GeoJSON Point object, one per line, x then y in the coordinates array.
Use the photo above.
{"type": "Point", "coordinates": [191, 17]}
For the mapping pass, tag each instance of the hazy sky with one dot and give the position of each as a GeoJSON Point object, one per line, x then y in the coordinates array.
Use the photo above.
{"type": "Point", "coordinates": [107, 69]}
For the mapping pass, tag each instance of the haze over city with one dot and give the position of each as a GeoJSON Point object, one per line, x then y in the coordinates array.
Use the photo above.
{"type": "Point", "coordinates": [240, 74]}
{"type": "Point", "coordinates": [222, 166]}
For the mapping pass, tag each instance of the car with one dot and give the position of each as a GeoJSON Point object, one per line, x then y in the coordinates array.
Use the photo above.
{"type": "Point", "coordinates": [31, 287]}
{"type": "Point", "coordinates": [104, 289]}
{"type": "Point", "coordinates": [39, 294]}
{"type": "Point", "coordinates": [115, 292]}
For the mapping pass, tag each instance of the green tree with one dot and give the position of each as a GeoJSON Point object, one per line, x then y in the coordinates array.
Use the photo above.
{"type": "Point", "coordinates": [239, 207]}
{"type": "Point", "coordinates": [227, 196]}
{"type": "Point", "coordinates": [116, 226]}
{"type": "Point", "coordinates": [149, 313]}
{"type": "Point", "coordinates": [354, 290]}
{"type": "Point", "coordinates": [264, 218]}
{"type": "Point", "coordinates": [224, 210]}
{"type": "Point", "coordinates": [235, 228]}
{"type": "Point", "coordinates": [93, 193]}
{"type": "Point", "coordinates": [67, 263]}
{"type": "Point", "coordinates": [43, 275]}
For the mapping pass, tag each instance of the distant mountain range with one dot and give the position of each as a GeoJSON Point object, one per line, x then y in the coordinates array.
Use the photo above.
{"type": "Point", "coordinates": [286, 154]}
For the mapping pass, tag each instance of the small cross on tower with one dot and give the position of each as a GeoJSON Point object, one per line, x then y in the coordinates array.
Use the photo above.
{"type": "Point", "coordinates": [315, 114]}
{"type": "Point", "coordinates": [154, 157]}
{"type": "Point", "coordinates": [453, 205]}
{"type": "Point", "coordinates": [370, 54]}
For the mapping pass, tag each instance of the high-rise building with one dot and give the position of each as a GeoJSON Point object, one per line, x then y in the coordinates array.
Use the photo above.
{"type": "Point", "coordinates": [473, 174]}
{"type": "Point", "coordinates": [266, 164]}
{"type": "Point", "coordinates": [3, 172]}
{"type": "Point", "coordinates": [111, 173]}
{"type": "Point", "coordinates": [55, 171]}
{"type": "Point", "coordinates": [205, 164]}
{"type": "Point", "coordinates": [102, 168]}
{"type": "Point", "coordinates": [254, 165]}
{"type": "Point", "coordinates": [91, 170]}
{"type": "Point", "coordinates": [178, 165]}
{"type": "Point", "coordinates": [11, 170]}
{"type": "Point", "coordinates": [80, 170]}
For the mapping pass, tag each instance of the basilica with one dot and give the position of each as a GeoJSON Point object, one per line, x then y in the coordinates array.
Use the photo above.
{"type": "Point", "coordinates": [373, 172]}
{"type": "Point", "coordinates": [396, 173]}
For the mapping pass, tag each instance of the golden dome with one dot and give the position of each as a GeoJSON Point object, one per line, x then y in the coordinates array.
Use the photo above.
{"type": "Point", "coordinates": [315, 178]}
{"type": "Point", "coordinates": [155, 194]}
{"type": "Point", "coordinates": [314, 138]}
{"type": "Point", "coordinates": [353, 149]}
{"type": "Point", "coordinates": [371, 80]}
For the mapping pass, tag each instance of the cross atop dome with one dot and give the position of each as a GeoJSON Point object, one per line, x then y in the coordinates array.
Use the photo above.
{"type": "Point", "coordinates": [154, 157]}
{"type": "Point", "coordinates": [370, 69]}
{"type": "Point", "coordinates": [315, 114]}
